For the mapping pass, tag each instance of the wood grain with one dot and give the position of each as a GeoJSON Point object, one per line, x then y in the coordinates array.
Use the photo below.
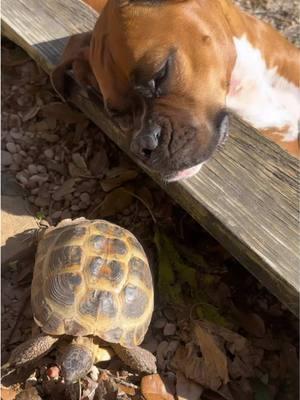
{"type": "Point", "coordinates": [247, 196]}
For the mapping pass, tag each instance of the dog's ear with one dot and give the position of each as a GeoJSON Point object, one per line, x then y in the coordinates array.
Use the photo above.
{"type": "Point", "coordinates": [75, 58]}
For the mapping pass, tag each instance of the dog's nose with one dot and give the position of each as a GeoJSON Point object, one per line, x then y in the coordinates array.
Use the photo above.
{"type": "Point", "coordinates": [146, 141]}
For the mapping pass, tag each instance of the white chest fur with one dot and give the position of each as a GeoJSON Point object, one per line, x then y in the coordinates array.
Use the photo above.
{"type": "Point", "coordinates": [260, 95]}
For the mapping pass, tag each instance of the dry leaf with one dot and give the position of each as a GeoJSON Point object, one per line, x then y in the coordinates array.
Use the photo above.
{"type": "Point", "coordinates": [250, 322]}
{"type": "Point", "coordinates": [66, 188]}
{"type": "Point", "coordinates": [63, 112]}
{"type": "Point", "coordinates": [99, 163]}
{"type": "Point", "coordinates": [187, 389]}
{"type": "Point", "coordinates": [78, 167]}
{"type": "Point", "coordinates": [209, 368]}
{"type": "Point", "coordinates": [8, 393]}
{"type": "Point", "coordinates": [79, 161]}
{"type": "Point", "coordinates": [114, 202]}
{"type": "Point", "coordinates": [117, 179]}
{"type": "Point", "coordinates": [214, 359]}
{"type": "Point", "coordinates": [153, 388]}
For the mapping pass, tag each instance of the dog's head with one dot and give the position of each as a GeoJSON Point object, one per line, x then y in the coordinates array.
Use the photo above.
{"type": "Point", "coordinates": [166, 63]}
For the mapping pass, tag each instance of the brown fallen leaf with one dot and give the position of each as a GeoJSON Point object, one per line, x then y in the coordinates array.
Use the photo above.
{"type": "Point", "coordinates": [187, 389]}
{"type": "Point", "coordinates": [8, 393]}
{"type": "Point", "coordinates": [118, 179]}
{"type": "Point", "coordinates": [209, 368]}
{"type": "Point", "coordinates": [215, 360]}
{"type": "Point", "coordinates": [252, 323]}
{"type": "Point", "coordinates": [63, 112]}
{"type": "Point", "coordinates": [113, 203]}
{"type": "Point", "coordinates": [153, 388]}
{"type": "Point", "coordinates": [99, 163]}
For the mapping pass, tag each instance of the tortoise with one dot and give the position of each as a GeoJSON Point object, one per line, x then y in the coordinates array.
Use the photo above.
{"type": "Point", "coordinates": [92, 287]}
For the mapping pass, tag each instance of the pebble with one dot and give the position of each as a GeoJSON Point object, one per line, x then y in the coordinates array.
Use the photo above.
{"type": "Point", "coordinates": [41, 168]}
{"type": "Point", "coordinates": [65, 214]}
{"type": "Point", "coordinates": [32, 169]}
{"type": "Point", "coordinates": [18, 159]}
{"type": "Point", "coordinates": [14, 167]}
{"type": "Point", "coordinates": [21, 178]}
{"type": "Point", "coordinates": [159, 323]}
{"type": "Point", "coordinates": [74, 207]}
{"type": "Point", "coordinates": [170, 314]}
{"type": "Point", "coordinates": [82, 205]}
{"type": "Point", "coordinates": [151, 345]}
{"type": "Point", "coordinates": [11, 147]}
{"type": "Point", "coordinates": [169, 329]}
{"type": "Point", "coordinates": [49, 153]}
{"type": "Point", "coordinates": [172, 347]}
{"type": "Point", "coordinates": [16, 135]}
{"type": "Point", "coordinates": [56, 214]}
{"type": "Point", "coordinates": [6, 158]}
{"type": "Point", "coordinates": [85, 198]}
{"type": "Point", "coordinates": [38, 179]}
{"type": "Point", "coordinates": [50, 138]}
{"type": "Point", "coordinates": [41, 202]}
{"type": "Point", "coordinates": [53, 372]}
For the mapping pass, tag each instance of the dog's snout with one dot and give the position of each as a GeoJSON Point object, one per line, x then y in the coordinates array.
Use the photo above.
{"type": "Point", "coordinates": [146, 141]}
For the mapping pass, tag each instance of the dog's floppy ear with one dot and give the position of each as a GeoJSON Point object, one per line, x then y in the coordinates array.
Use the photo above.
{"type": "Point", "coordinates": [75, 58]}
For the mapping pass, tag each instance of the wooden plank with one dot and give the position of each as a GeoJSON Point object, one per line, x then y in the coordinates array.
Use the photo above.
{"type": "Point", "coordinates": [246, 196]}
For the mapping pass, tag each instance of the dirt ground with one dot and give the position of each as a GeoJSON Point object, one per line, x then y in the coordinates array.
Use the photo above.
{"type": "Point", "coordinates": [216, 332]}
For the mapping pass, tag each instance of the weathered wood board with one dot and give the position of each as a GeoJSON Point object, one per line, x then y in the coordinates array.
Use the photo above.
{"type": "Point", "coordinates": [247, 196]}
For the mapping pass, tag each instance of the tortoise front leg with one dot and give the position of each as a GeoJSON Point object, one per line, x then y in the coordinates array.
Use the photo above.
{"type": "Point", "coordinates": [30, 350]}
{"type": "Point", "coordinates": [139, 359]}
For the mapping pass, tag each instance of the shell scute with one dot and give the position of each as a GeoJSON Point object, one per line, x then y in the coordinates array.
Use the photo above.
{"type": "Point", "coordinates": [98, 303]}
{"type": "Point", "coordinates": [65, 257]}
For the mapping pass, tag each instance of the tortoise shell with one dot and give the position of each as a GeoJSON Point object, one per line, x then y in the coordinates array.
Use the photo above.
{"type": "Point", "coordinates": [92, 278]}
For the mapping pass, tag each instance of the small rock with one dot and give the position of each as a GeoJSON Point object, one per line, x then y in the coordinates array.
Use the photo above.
{"type": "Point", "coordinates": [151, 345]}
{"type": "Point", "coordinates": [41, 169]}
{"type": "Point", "coordinates": [170, 314]}
{"type": "Point", "coordinates": [53, 372]}
{"type": "Point", "coordinates": [172, 347]}
{"type": "Point", "coordinates": [32, 169]}
{"type": "Point", "coordinates": [22, 178]}
{"type": "Point", "coordinates": [14, 167]}
{"type": "Point", "coordinates": [50, 138]}
{"type": "Point", "coordinates": [18, 159]}
{"type": "Point", "coordinates": [41, 202]}
{"type": "Point", "coordinates": [85, 197]}
{"type": "Point", "coordinates": [11, 147]}
{"type": "Point", "coordinates": [169, 329]}
{"type": "Point", "coordinates": [16, 135]}
{"type": "Point", "coordinates": [49, 153]}
{"type": "Point", "coordinates": [159, 323]}
{"type": "Point", "coordinates": [82, 205]}
{"type": "Point", "coordinates": [66, 214]}
{"type": "Point", "coordinates": [74, 207]}
{"type": "Point", "coordinates": [6, 158]}
{"type": "Point", "coordinates": [56, 214]}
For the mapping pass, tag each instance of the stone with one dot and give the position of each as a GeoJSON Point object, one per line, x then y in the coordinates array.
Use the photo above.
{"type": "Point", "coordinates": [11, 147]}
{"type": "Point", "coordinates": [49, 153]}
{"type": "Point", "coordinates": [169, 329]}
{"type": "Point", "coordinates": [6, 158]}
{"type": "Point", "coordinates": [18, 225]}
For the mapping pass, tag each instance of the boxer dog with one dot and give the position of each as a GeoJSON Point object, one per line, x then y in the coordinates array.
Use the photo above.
{"type": "Point", "coordinates": [176, 66]}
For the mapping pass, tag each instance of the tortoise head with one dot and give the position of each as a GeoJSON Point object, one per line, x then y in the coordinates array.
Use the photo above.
{"type": "Point", "coordinates": [76, 362]}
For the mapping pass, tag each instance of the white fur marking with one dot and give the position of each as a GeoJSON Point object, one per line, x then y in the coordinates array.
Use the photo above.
{"type": "Point", "coordinates": [260, 95]}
